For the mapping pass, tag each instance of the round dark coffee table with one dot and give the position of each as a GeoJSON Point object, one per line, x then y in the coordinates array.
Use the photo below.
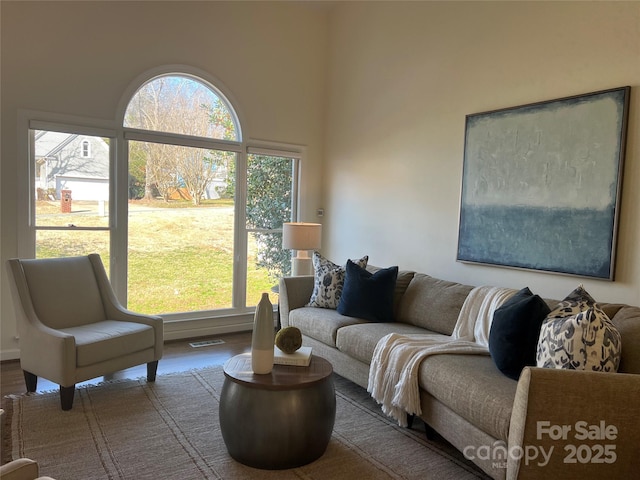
{"type": "Point", "coordinates": [279, 420]}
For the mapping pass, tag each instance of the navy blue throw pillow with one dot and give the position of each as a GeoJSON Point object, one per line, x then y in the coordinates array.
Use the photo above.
{"type": "Point", "coordinates": [513, 338]}
{"type": "Point", "coordinates": [368, 295]}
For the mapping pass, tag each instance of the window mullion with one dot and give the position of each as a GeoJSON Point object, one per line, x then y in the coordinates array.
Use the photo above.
{"type": "Point", "coordinates": [241, 234]}
{"type": "Point", "coordinates": [67, 127]}
{"type": "Point", "coordinates": [73, 228]}
{"type": "Point", "coordinates": [274, 152]}
{"type": "Point", "coordinates": [182, 140]}
{"type": "Point", "coordinates": [120, 219]}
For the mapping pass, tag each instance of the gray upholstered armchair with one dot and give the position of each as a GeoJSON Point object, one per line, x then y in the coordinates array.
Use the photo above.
{"type": "Point", "coordinates": [73, 328]}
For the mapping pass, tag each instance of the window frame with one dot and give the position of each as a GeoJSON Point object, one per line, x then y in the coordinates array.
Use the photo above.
{"type": "Point", "coordinates": [119, 136]}
{"type": "Point", "coordinates": [296, 154]}
{"type": "Point", "coordinates": [28, 123]}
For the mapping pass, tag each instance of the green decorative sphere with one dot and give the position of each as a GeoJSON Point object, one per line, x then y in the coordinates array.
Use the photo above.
{"type": "Point", "coordinates": [289, 339]}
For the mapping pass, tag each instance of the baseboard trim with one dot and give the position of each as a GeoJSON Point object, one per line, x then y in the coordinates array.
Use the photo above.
{"type": "Point", "coordinates": [12, 354]}
{"type": "Point", "coordinates": [182, 330]}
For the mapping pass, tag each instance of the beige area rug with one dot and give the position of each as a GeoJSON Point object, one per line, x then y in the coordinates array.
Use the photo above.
{"type": "Point", "coordinates": [169, 430]}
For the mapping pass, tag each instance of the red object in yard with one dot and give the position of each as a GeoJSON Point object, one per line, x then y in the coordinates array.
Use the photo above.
{"type": "Point", "coordinates": [65, 201]}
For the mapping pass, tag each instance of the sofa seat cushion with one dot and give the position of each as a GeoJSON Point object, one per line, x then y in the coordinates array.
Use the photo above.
{"type": "Point", "coordinates": [320, 324]}
{"type": "Point", "coordinates": [359, 341]}
{"type": "Point", "coordinates": [473, 387]}
{"type": "Point", "coordinates": [103, 341]}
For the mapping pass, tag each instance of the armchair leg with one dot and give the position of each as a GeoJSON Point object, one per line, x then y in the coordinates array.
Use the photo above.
{"type": "Point", "coordinates": [31, 381]}
{"type": "Point", "coordinates": [152, 368]}
{"type": "Point", "coordinates": [66, 396]}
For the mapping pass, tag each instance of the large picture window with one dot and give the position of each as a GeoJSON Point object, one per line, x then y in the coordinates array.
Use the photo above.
{"type": "Point", "coordinates": [186, 214]}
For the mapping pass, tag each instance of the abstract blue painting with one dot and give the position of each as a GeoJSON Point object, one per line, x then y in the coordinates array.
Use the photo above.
{"type": "Point", "coordinates": [542, 182]}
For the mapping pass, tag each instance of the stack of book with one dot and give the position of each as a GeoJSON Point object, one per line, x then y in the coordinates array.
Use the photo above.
{"type": "Point", "coordinates": [300, 358]}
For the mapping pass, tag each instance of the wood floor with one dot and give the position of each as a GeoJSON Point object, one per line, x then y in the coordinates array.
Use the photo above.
{"type": "Point", "coordinates": [178, 356]}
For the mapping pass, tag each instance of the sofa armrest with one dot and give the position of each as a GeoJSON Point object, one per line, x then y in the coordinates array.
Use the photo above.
{"type": "Point", "coordinates": [294, 292]}
{"type": "Point", "coordinates": [574, 424]}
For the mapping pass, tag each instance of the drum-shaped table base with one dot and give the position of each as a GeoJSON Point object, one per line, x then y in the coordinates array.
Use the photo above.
{"type": "Point", "coordinates": [279, 420]}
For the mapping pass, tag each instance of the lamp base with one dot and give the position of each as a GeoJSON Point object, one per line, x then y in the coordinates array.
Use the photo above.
{"type": "Point", "coordinates": [301, 264]}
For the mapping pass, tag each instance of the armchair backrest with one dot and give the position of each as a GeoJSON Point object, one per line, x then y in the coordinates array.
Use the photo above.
{"type": "Point", "coordinates": [63, 292]}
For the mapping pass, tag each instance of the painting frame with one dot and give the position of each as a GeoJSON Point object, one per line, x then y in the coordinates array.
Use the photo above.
{"type": "Point", "coordinates": [542, 185]}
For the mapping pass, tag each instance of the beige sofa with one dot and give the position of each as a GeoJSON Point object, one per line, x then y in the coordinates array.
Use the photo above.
{"type": "Point", "coordinates": [510, 429]}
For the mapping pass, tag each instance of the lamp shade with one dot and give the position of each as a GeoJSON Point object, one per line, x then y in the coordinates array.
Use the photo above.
{"type": "Point", "coordinates": [301, 235]}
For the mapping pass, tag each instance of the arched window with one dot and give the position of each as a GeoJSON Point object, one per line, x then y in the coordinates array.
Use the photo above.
{"type": "Point", "coordinates": [183, 105]}
{"type": "Point", "coordinates": [86, 148]}
{"type": "Point", "coordinates": [188, 226]}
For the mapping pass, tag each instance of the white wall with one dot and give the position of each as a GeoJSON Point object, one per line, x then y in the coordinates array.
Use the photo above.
{"type": "Point", "coordinates": [79, 58]}
{"type": "Point", "coordinates": [402, 78]}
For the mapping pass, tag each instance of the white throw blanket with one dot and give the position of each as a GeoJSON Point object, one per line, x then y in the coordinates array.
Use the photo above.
{"type": "Point", "coordinates": [393, 375]}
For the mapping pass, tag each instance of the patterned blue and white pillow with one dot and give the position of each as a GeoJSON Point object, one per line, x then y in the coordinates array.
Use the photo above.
{"type": "Point", "coordinates": [329, 281]}
{"type": "Point", "coordinates": [578, 335]}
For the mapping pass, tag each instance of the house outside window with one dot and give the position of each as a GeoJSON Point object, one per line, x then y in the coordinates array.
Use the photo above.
{"type": "Point", "coordinates": [70, 211]}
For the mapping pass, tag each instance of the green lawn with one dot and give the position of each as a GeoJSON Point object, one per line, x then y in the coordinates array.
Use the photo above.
{"type": "Point", "coordinates": [180, 256]}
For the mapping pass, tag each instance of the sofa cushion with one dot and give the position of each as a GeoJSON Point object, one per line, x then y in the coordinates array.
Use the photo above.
{"type": "Point", "coordinates": [368, 295]}
{"type": "Point", "coordinates": [578, 335]}
{"type": "Point", "coordinates": [627, 321]}
{"type": "Point", "coordinates": [472, 387]}
{"type": "Point", "coordinates": [328, 281]}
{"type": "Point", "coordinates": [359, 341]}
{"type": "Point", "coordinates": [514, 332]}
{"type": "Point", "coordinates": [320, 323]}
{"type": "Point", "coordinates": [102, 341]}
{"type": "Point", "coordinates": [432, 303]}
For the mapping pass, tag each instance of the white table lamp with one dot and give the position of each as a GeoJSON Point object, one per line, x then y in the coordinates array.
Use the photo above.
{"type": "Point", "coordinates": [302, 237]}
